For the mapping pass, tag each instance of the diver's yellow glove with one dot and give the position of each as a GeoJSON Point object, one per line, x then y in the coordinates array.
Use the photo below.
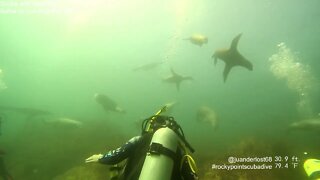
{"type": "Point", "coordinates": [312, 168]}
{"type": "Point", "coordinates": [94, 158]}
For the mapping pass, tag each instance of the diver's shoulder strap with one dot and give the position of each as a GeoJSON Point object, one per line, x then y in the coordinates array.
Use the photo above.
{"type": "Point", "coordinates": [157, 148]}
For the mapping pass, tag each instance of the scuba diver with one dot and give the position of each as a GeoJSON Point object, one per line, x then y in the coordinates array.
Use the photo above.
{"type": "Point", "coordinates": [4, 174]}
{"type": "Point", "coordinates": [160, 153]}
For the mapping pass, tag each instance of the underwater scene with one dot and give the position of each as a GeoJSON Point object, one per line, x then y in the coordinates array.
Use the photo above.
{"type": "Point", "coordinates": [82, 83]}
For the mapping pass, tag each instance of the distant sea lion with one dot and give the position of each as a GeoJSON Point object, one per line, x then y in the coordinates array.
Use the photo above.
{"type": "Point", "coordinates": [148, 66]}
{"type": "Point", "coordinates": [176, 79]}
{"type": "Point", "coordinates": [169, 107]}
{"type": "Point", "coordinates": [207, 115]}
{"type": "Point", "coordinates": [312, 125]}
{"type": "Point", "coordinates": [231, 57]}
{"type": "Point", "coordinates": [64, 122]}
{"type": "Point", "coordinates": [198, 39]}
{"type": "Point", "coordinates": [107, 103]}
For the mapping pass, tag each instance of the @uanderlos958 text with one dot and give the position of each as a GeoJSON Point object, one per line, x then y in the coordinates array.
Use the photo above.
{"type": "Point", "coordinates": [258, 163]}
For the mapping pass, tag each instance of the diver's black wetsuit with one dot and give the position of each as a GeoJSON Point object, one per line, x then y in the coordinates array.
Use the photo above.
{"type": "Point", "coordinates": [121, 153]}
{"type": "Point", "coordinates": [135, 152]}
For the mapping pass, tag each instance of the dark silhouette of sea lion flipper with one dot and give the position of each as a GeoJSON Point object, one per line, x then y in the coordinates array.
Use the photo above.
{"type": "Point", "coordinates": [247, 64]}
{"type": "Point", "coordinates": [226, 71]}
{"type": "Point", "coordinates": [173, 73]}
{"type": "Point", "coordinates": [234, 43]}
{"type": "Point", "coordinates": [178, 86]}
{"type": "Point", "coordinates": [215, 59]}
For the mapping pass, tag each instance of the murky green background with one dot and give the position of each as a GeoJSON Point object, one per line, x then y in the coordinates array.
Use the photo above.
{"type": "Point", "coordinates": [56, 55]}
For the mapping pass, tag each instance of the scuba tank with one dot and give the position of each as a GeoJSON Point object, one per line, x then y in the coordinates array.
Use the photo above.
{"type": "Point", "coordinates": [159, 161]}
{"type": "Point", "coordinates": [162, 154]}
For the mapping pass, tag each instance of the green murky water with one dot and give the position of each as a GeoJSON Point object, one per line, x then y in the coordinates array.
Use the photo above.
{"type": "Point", "coordinates": [54, 56]}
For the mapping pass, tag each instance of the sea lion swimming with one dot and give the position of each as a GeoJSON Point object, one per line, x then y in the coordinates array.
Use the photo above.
{"type": "Point", "coordinates": [147, 67]}
{"type": "Point", "coordinates": [306, 125]}
{"type": "Point", "coordinates": [169, 107]}
{"type": "Point", "coordinates": [207, 115]}
{"type": "Point", "coordinates": [198, 39]}
{"type": "Point", "coordinates": [231, 57]}
{"type": "Point", "coordinates": [176, 78]}
{"type": "Point", "coordinates": [107, 103]}
{"type": "Point", "coordinates": [64, 122]}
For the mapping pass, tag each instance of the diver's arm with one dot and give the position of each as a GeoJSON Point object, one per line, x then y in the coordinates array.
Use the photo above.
{"type": "Point", "coordinates": [121, 153]}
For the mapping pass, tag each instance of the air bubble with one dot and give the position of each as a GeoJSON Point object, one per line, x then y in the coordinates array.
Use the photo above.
{"type": "Point", "coordinates": [286, 65]}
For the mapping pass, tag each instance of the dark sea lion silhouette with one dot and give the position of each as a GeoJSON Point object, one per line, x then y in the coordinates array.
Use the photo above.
{"type": "Point", "coordinates": [208, 115]}
{"type": "Point", "coordinates": [231, 57]}
{"type": "Point", "coordinates": [148, 66]}
{"type": "Point", "coordinates": [176, 78]}
{"type": "Point", "coordinates": [107, 103]}
{"type": "Point", "coordinates": [311, 125]}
